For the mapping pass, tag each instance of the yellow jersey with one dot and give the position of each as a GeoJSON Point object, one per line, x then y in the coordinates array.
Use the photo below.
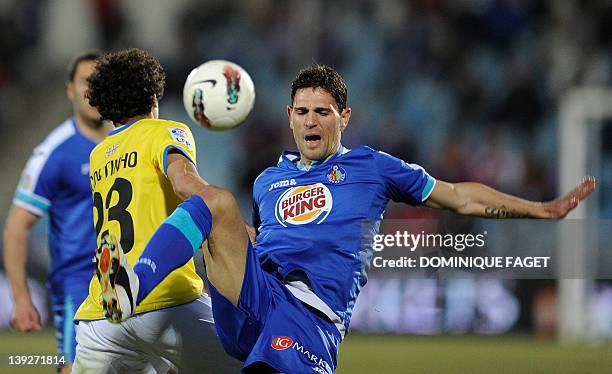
{"type": "Point", "coordinates": [132, 197]}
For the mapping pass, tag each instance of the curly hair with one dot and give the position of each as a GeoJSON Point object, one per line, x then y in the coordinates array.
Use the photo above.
{"type": "Point", "coordinates": [324, 77]}
{"type": "Point", "coordinates": [124, 84]}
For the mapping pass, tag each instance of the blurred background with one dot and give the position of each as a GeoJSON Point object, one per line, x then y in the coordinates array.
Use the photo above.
{"type": "Point", "coordinates": [469, 89]}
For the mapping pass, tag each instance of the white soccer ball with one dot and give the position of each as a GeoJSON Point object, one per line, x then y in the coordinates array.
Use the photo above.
{"type": "Point", "coordinates": [218, 95]}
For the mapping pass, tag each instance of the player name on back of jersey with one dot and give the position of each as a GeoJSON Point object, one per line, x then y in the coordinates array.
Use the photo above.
{"type": "Point", "coordinates": [126, 160]}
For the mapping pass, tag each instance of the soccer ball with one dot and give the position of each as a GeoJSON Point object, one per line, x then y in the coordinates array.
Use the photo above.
{"type": "Point", "coordinates": [218, 95]}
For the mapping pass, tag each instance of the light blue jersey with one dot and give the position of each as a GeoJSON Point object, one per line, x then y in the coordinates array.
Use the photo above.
{"type": "Point", "coordinates": [56, 181]}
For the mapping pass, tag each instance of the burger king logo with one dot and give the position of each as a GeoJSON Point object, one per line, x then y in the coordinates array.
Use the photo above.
{"type": "Point", "coordinates": [304, 204]}
{"type": "Point", "coordinates": [281, 343]}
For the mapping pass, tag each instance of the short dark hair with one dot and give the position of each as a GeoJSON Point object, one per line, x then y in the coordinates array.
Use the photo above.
{"type": "Point", "coordinates": [124, 84]}
{"type": "Point", "coordinates": [324, 77]}
{"type": "Point", "coordinates": [91, 55]}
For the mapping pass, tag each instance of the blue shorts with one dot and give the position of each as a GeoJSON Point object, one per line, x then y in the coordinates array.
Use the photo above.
{"type": "Point", "coordinates": [64, 308]}
{"type": "Point", "coordinates": [272, 326]}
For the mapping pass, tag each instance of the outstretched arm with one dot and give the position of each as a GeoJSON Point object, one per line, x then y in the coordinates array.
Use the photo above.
{"type": "Point", "coordinates": [476, 199]}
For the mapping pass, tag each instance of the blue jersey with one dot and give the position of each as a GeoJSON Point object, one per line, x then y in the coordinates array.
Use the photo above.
{"type": "Point", "coordinates": [56, 180]}
{"type": "Point", "coordinates": [311, 222]}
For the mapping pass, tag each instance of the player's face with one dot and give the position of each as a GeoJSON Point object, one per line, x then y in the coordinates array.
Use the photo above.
{"type": "Point", "coordinates": [316, 123]}
{"type": "Point", "coordinates": [76, 93]}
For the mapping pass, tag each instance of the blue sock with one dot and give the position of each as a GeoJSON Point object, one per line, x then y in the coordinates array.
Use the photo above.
{"type": "Point", "coordinates": [174, 243]}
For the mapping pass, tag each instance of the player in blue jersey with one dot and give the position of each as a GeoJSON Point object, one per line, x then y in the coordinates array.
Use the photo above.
{"type": "Point", "coordinates": [56, 181]}
{"type": "Point", "coordinates": [285, 304]}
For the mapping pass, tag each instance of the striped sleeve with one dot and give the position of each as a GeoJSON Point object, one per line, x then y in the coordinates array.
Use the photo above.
{"type": "Point", "coordinates": [39, 179]}
{"type": "Point", "coordinates": [173, 136]}
{"type": "Point", "coordinates": [37, 185]}
{"type": "Point", "coordinates": [408, 183]}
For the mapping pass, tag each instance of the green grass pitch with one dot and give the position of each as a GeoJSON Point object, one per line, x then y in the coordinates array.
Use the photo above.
{"type": "Point", "coordinates": [406, 354]}
{"type": "Point", "coordinates": [469, 354]}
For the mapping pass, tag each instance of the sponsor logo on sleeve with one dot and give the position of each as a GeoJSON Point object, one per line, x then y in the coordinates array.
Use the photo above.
{"type": "Point", "coordinates": [26, 181]}
{"type": "Point", "coordinates": [301, 205]}
{"type": "Point", "coordinates": [180, 136]}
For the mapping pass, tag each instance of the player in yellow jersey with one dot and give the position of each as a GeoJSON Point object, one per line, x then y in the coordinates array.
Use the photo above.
{"type": "Point", "coordinates": [285, 305]}
{"type": "Point", "coordinates": [132, 196]}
